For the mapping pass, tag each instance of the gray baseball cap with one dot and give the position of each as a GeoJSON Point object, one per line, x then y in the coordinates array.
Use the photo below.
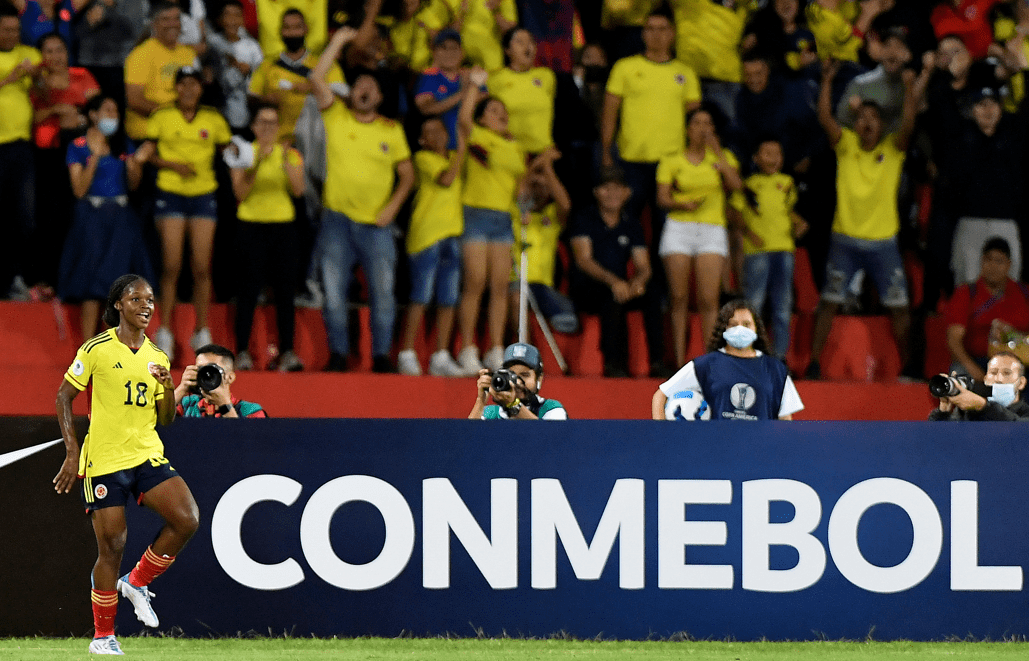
{"type": "Point", "coordinates": [521, 353]}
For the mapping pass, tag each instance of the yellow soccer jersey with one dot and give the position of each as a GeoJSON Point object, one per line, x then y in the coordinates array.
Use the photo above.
{"type": "Point", "coordinates": [653, 114]}
{"type": "Point", "coordinates": [362, 159]}
{"type": "Point", "coordinates": [480, 36]}
{"type": "Point", "coordinates": [154, 66]}
{"type": "Point", "coordinates": [770, 199]}
{"type": "Point", "coordinates": [708, 37]}
{"type": "Point", "coordinates": [866, 188]}
{"type": "Point", "coordinates": [834, 31]}
{"type": "Point", "coordinates": [269, 23]}
{"type": "Point", "coordinates": [492, 170]}
{"type": "Point", "coordinates": [269, 200]}
{"type": "Point", "coordinates": [411, 42]}
{"type": "Point", "coordinates": [529, 97]}
{"type": "Point", "coordinates": [188, 142]}
{"type": "Point", "coordinates": [15, 107]}
{"type": "Point", "coordinates": [696, 182]}
{"type": "Point", "coordinates": [437, 209]}
{"type": "Point", "coordinates": [541, 236]}
{"type": "Point", "coordinates": [123, 406]}
{"type": "Point", "coordinates": [274, 79]}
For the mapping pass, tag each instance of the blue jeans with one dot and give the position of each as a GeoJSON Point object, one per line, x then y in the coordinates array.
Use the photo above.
{"type": "Point", "coordinates": [437, 270]}
{"type": "Point", "coordinates": [769, 276]}
{"type": "Point", "coordinates": [342, 244]}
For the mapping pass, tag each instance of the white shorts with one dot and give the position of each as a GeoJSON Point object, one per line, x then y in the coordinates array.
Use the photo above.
{"type": "Point", "coordinates": [686, 238]}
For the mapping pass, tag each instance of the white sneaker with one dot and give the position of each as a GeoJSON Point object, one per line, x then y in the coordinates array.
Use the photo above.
{"type": "Point", "coordinates": [165, 341]}
{"type": "Point", "coordinates": [201, 338]}
{"type": "Point", "coordinates": [468, 360]}
{"type": "Point", "coordinates": [244, 361]}
{"type": "Point", "coordinates": [442, 363]}
{"type": "Point", "coordinates": [140, 598]}
{"type": "Point", "coordinates": [407, 363]}
{"type": "Point", "coordinates": [105, 645]}
{"type": "Point", "coordinates": [494, 358]}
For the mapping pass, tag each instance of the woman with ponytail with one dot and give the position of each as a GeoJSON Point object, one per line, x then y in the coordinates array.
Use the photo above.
{"type": "Point", "coordinates": [122, 457]}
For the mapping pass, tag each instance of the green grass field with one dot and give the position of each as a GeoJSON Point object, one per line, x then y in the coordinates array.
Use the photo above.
{"type": "Point", "coordinates": [429, 649]}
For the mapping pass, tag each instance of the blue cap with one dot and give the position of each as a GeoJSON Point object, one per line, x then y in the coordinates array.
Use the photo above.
{"type": "Point", "coordinates": [446, 35]}
{"type": "Point", "coordinates": [523, 354]}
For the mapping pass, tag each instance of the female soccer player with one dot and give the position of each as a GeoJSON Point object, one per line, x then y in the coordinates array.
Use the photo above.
{"type": "Point", "coordinates": [122, 456]}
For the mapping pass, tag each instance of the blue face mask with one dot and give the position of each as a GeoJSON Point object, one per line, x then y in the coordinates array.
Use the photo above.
{"type": "Point", "coordinates": [739, 337]}
{"type": "Point", "coordinates": [107, 125]}
{"type": "Point", "coordinates": [1004, 394]}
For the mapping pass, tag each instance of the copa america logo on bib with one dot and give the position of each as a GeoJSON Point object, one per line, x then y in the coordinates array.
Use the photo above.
{"type": "Point", "coordinates": [742, 396]}
{"type": "Point", "coordinates": [100, 491]}
{"type": "Point", "coordinates": [687, 405]}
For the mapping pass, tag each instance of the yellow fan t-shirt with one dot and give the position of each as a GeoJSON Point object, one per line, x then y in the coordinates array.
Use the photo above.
{"type": "Point", "coordinates": [361, 162]}
{"type": "Point", "coordinates": [192, 142]}
{"type": "Point", "coordinates": [529, 98]}
{"type": "Point", "coordinates": [866, 188]}
{"type": "Point", "coordinates": [691, 182]}
{"type": "Point", "coordinates": [269, 200]}
{"type": "Point", "coordinates": [771, 198]}
{"type": "Point", "coordinates": [154, 66]}
{"type": "Point", "coordinates": [653, 113]}
{"type": "Point", "coordinates": [437, 211]}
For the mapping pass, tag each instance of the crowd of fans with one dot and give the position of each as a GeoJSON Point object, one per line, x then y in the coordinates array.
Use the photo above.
{"type": "Point", "coordinates": [641, 154]}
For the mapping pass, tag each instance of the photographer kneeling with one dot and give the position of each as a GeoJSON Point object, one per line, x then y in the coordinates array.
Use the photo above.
{"type": "Point", "coordinates": [203, 391]}
{"type": "Point", "coordinates": [514, 389]}
{"type": "Point", "coordinates": [1005, 374]}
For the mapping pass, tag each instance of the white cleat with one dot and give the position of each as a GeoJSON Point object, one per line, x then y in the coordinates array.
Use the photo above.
{"type": "Point", "coordinates": [140, 598]}
{"type": "Point", "coordinates": [105, 645]}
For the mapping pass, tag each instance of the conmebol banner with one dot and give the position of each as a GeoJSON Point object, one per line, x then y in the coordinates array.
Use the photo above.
{"type": "Point", "coordinates": [620, 529]}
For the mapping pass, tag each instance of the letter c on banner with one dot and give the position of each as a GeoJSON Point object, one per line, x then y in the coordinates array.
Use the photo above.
{"type": "Point", "coordinates": [317, 543]}
{"type": "Point", "coordinates": [925, 547]}
{"type": "Point", "coordinates": [226, 524]}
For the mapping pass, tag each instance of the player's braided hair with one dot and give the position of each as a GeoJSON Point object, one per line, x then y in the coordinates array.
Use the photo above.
{"type": "Point", "coordinates": [111, 315]}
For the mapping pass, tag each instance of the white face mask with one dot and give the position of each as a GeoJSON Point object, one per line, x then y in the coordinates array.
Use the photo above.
{"type": "Point", "coordinates": [1004, 394]}
{"type": "Point", "coordinates": [739, 337]}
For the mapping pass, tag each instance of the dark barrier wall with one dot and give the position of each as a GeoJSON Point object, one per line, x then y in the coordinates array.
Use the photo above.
{"type": "Point", "coordinates": [625, 529]}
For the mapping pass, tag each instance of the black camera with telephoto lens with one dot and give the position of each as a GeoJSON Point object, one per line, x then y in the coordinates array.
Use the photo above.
{"type": "Point", "coordinates": [209, 377]}
{"type": "Point", "coordinates": [504, 380]}
{"type": "Point", "coordinates": [942, 385]}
